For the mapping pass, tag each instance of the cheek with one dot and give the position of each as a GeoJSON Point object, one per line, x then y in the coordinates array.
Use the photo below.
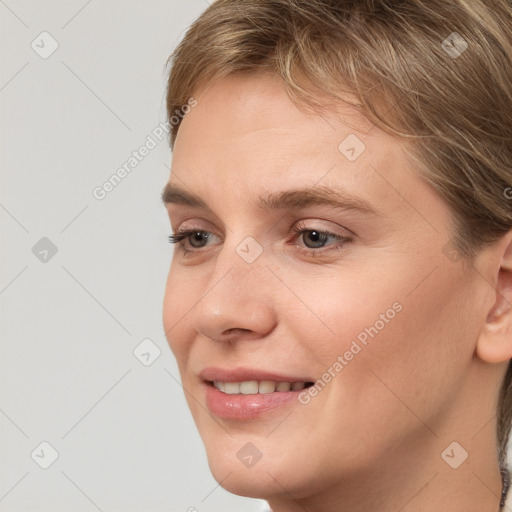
{"type": "Point", "coordinates": [388, 317]}
{"type": "Point", "coordinates": [339, 312]}
{"type": "Point", "coordinates": [402, 349]}
{"type": "Point", "coordinates": [178, 301]}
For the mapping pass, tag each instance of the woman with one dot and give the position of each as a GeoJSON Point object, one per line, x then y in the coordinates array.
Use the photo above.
{"type": "Point", "coordinates": [339, 300]}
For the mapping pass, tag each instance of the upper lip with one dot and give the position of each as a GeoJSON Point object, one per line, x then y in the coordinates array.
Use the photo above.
{"type": "Point", "coordinates": [245, 374]}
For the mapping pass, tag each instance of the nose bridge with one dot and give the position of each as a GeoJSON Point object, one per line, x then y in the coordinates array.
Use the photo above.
{"type": "Point", "coordinates": [239, 272]}
{"type": "Point", "coordinates": [241, 263]}
{"type": "Point", "coordinates": [237, 295]}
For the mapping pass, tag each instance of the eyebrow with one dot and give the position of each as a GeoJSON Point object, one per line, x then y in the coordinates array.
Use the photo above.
{"type": "Point", "coordinates": [285, 200]}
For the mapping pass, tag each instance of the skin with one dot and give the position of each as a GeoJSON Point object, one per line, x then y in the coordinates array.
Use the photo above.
{"type": "Point", "coordinates": [372, 439]}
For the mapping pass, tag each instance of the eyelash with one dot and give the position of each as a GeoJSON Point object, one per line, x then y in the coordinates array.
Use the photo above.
{"type": "Point", "coordinates": [298, 230]}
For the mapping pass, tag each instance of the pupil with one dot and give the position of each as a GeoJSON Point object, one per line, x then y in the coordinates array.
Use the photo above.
{"type": "Point", "coordinates": [198, 238]}
{"type": "Point", "coordinates": [317, 239]}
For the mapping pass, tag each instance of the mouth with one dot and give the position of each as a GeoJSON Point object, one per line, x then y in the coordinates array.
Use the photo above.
{"type": "Point", "coordinates": [244, 394]}
{"type": "Point", "coordinates": [254, 387]}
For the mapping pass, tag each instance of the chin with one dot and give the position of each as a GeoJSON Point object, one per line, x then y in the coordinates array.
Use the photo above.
{"type": "Point", "coordinates": [247, 465]}
{"type": "Point", "coordinates": [280, 470]}
{"type": "Point", "coordinates": [251, 482]}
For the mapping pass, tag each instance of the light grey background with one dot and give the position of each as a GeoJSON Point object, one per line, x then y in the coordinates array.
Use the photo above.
{"type": "Point", "coordinates": [70, 323]}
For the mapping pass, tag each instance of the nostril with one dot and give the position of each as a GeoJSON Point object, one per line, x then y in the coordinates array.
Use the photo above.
{"type": "Point", "coordinates": [235, 330]}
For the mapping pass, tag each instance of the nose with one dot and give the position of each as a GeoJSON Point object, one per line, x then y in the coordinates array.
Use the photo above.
{"type": "Point", "coordinates": [237, 302]}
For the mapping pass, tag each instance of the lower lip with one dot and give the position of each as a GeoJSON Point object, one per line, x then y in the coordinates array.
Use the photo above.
{"type": "Point", "coordinates": [246, 407]}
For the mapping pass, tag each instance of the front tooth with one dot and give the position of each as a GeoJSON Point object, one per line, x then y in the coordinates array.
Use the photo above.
{"type": "Point", "coordinates": [219, 385]}
{"type": "Point", "coordinates": [232, 388]}
{"type": "Point", "coordinates": [249, 387]}
{"type": "Point", "coordinates": [267, 386]}
{"type": "Point", "coordinates": [283, 386]}
{"type": "Point", "coordinates": [298, 385]}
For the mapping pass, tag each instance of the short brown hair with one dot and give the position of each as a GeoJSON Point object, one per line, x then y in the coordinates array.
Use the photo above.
{"type": "Point", "coordinates": [437, 72]}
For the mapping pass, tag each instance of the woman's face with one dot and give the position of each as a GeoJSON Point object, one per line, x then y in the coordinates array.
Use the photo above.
{"type": "Point", "coordinates": [320, 257]}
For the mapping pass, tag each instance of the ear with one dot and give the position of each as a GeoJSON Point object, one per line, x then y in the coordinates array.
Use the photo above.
{"type": "Point", "coordinates": [495, 340]}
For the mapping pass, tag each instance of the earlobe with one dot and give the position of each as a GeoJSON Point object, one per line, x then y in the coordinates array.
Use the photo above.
{"type": "Point", "coordinates": [495, 340]}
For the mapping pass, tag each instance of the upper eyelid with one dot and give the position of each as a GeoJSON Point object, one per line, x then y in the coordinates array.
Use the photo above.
{"type": "Point", "coordinates": [292, 227]}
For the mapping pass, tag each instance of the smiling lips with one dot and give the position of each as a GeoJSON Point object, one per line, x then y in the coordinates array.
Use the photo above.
{"type": "Point", "coordinates": [244, 394]}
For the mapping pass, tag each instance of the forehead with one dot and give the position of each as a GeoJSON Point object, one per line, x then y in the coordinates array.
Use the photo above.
{"type": "Point", "coordinates": [246, 137]}
{"type": "Point", "coordinates": [249, 123]}
{"type": "Point", "coordinates": [244, 105]}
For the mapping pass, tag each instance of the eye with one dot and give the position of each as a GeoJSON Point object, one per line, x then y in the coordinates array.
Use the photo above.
{"type": "Point", "coordinates": [195, 238]}
{"type": "Point", "coordinates": [315, 239]}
